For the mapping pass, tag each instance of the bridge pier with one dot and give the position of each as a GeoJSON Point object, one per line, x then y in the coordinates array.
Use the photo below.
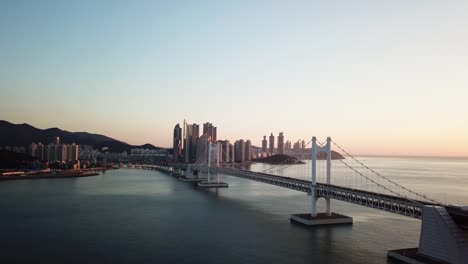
{"type": "Point", "coordinates": [181, 172]}
{"type": "Point", "coordinates": [190, 176]}
{"type": "Point", "coordinates": [314, 218]}
{"type": "Point", "coordinates": [209, 183]}
{"type": "Point", "coordinates": [328, 206]}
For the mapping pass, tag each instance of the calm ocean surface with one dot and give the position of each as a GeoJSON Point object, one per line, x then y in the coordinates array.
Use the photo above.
{"type": "Point", "coordinates": [140, 216]}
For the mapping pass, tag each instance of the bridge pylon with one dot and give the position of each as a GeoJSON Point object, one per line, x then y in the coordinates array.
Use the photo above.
{"type": "Point", "coordinates": [213, 147]}
{"type": "Point", "coordinates": [314, 218]}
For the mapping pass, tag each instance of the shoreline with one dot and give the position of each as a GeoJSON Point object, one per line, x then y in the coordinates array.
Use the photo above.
{"type": "Point", "coordinates": [48, 176]}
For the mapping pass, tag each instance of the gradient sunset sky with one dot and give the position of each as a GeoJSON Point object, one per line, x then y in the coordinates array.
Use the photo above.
{"type": "Point", "coordinates": [379, 77]}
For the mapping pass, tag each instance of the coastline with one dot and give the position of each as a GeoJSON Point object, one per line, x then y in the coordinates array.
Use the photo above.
{"type": "Point", "coordinates": [48, 176]}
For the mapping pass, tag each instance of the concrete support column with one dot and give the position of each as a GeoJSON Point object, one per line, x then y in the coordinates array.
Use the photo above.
{"type": "Point", "coordinates": [209, 161]}
{"type": "Point", "coordinates": [328, 147]}
{"type": "Point", "coordinates": [313, 209]}
{"type": "Point", "coordinates": [188, 171]}
{"type": "Point", "coordinates": [217, 160]}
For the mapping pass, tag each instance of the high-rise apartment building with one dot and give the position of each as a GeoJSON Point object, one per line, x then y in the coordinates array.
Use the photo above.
{"type": "Point", "coordinates": [32, 150]}
{"type": "Point", "coordinates": [202, 149]}
{"type": "Point", "coordinates": [210, 131]}
{"type": "Point", "coordinates": [239, 151]}
{"type": "Point", "coordinates": [65, 153]}
{"type": "Point", "coordinates": [191, 135]}
{"type": "Point", "coordinates": [281, 143]}
{"type": "Point", "coordinates": [177, 144]}
{"type": "Point", "coordinates": [272, 144]}
{"type": "Point", "coordinates": [38, 151]}
{"type": "Point", "coordinates": [74, 152]}
{"type": "Point", "coordinates": [58, 152]}
{"type": "Point", "coordinates": [288, 145]}
{"type": "Point", "coordinates": [264, 144]}
{"type": "Point", "coordinates": [248, 151]}
{"type": "Point", "coordinates": [298, 145]}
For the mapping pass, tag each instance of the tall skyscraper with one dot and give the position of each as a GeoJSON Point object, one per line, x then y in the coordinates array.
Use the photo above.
{"type": "Point", "coordinates": [38, 150]}
{"type": "Point", "coordinates": [65, 153]}
{"type": "Point", "coordinates": [202, 150]}
{"type": "Point", "coordinates": [281, 143]}
{"type": "Point", "coordinates": [264, 144]}
{"type": "Point", "coordinates": [303, 144]}
{"type": "Point", "coordinates": [50, 152]}
{"type": "Point", "coordinates": [177, 143]}
{"type": "Point", "coordinates": [191, 134]}
{"type": "Point", "coordinates": [74, 152]}
{"type": "Point", "coordinates": [239, 151]}
{"type": "Point", "coordinates": [288, 145]}
{"type": "Point", "coordinates": [298, 145]}
{"type": "Point", "coordinates": [58, 152]}
{"type": "Point", "coordinates": [272, 144]}
{"type": "Point", "coordinates": [248, 151]}
{"type": "Point", "coordinates": [210, 131]}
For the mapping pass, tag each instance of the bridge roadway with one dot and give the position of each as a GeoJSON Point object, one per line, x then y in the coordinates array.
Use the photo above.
{"type": "Point", "coordinates": [384, 202]}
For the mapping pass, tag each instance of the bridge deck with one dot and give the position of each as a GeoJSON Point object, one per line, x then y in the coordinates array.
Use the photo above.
{"type": "Point", "coordinates": [385, 202]}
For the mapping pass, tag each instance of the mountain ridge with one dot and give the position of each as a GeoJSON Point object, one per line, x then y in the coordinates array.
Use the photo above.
{"type": "Point", "coordinates": [21, 135]}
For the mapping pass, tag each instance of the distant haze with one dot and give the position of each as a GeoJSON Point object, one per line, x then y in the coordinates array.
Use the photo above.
{"type": "Point", "coordinates": [378, 77]}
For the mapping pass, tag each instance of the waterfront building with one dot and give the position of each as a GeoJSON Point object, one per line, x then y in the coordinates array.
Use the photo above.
{"type": "Point", "coordinates": [74, 152]}
{"type": "Point", "coordinates": [86, 152]}
{"type": "Point", "coordinates": [69, 152]}
{"type": "Point", "coordinates": [280, 143]}
{"type": "Point", "coordinates": [54, 152]}
{"type": "Point", "coordinates": [264, 144]}
{"type": "Point", "coordinates": [297, 145]}
{"type": "Point", "coordinates": [65, 153]}
{"type": "Point", "coordinates": [210, 131]}
{"type": "Point", "coordinates": [50, 156]}
{"type": "Point", "coordinates": [177, 144]}
{"type": "Point", "coordinates": [248, 151]}
{"type": "Point", "coordinates": [41, 151]}
{"type": "Point", "coordinates": [288, 146]}
{"type": "Point", "coordinates": [272, 144]}
{"type": "Point", "coordinates": [239, 151]}
{"type": "Point", "coordinates": [32, 150]}
{"type": "Point", "coordinates": [202, 149]}
{"type": "Point", "coordinates": [191, 135]}
{"type": "Point", "coordinates": [38, 151]}
{"type": "Point", "coordinates": [58, 152]}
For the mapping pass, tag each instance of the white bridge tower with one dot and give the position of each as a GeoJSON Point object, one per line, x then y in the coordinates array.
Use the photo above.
{"type": "Point", "coordinates": [313, 218]}
{"type": "Point", "coordinates": [316, 149]}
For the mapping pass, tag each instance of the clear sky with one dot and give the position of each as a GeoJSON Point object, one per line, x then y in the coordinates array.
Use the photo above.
{"type": "Point", "coordinates": [380, 77]}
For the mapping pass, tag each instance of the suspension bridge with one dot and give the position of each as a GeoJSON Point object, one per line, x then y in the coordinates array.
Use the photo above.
{"type": "Point", "coordinates": [444, 232]}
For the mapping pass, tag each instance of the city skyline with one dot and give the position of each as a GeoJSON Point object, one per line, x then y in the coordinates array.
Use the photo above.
{"type": "Point", "coordinates": [382, 78]}
{"type": "Point", "coordinates": [301, 143]}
